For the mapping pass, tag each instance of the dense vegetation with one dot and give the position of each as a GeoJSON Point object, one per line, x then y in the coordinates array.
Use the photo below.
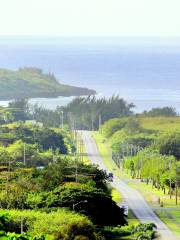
{"type": "Point", "coordinates": [81, 113]}
{"type": "Point", "coordinates": [148, 147]}
{"type": "Point", "coordinates": [90, 112]}
{"type": "Point", "coordinates": [32, 82]}
{"type": "Point", "coordinates": [43, 182]}
{"type": "Point", "coordinates": [61, 224]}
{"type": "Point", "coordinates": [164, 111]}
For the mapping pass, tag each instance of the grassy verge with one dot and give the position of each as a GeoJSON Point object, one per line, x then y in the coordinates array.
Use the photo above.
{"type": "Point", "coordinates": [116, 196]}
{"type": "Point", "coordinates": [170, 213]}
{"type": "Point", "coordinates": [153, 195]}
{"type": "Point", "coordinates": [171, 217]}
{"type": "Point", "coordinates": [105, 153]}
{"type": "Point", "coordinates": [85, 156]}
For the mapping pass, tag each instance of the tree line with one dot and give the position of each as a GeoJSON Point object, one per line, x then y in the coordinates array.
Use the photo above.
{"type": "Point", "coordinates": [147, 153]}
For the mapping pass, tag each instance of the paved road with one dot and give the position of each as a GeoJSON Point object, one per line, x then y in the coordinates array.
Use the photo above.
{"type": "Point", "coordinates": [134, 199]}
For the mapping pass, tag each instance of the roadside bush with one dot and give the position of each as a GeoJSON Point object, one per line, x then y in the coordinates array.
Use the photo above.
{"type": "Point", "coordinates": [62, 224]}
{"type": "Point", "coordinates": [4, 218]}
{"type": "Point", "coordinates": [144, 231]}
{"type": "Point", "coordinates": [81, 230]}
{"type": "Point", "coordinates": [112, 126]}
{"type": "Point", "coordinates": [94, 202]}
{"type": "Point", "coordinates": [23, 236]}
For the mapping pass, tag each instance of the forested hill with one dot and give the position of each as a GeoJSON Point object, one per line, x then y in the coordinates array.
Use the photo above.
{"type": "Point", "coordinates": [32, 82]}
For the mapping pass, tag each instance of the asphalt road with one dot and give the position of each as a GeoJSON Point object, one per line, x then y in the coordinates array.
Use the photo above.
{"type": "Point", "coordinates": [133, 198]}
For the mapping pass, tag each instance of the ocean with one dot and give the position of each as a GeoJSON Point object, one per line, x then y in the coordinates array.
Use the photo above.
{"type": "Point", "coordinates": [145, 71]}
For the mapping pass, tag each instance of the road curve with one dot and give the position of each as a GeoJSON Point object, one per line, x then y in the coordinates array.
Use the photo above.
{"type": "Point", "coordinates": [134, 199]}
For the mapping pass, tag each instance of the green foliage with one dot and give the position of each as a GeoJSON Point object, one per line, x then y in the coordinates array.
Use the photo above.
{"type": "Point", "coordinates": [160, 124]}
{"type": "Point", "coordinates": [6, 115]}
{"type": "Point", "coordinates": [49, 118]}
{"type": "Point", "coordinates": [62, 224]}
{"type": "Point", "coordinates": [13, 198]}
{"type": "Point", "coordinates": [64, 170]}
{"type": "Point", "coordinates": [149, 147]}
{"type": "Point", "coordinates": [45, 138]}
{"type": "Point", "coordinates": [165, 111]}
{"type": "Point", "coordinates": [169, 144]}
{"type": "Point", "coordinates": [113, 125]}
{"type": "Point", "coordinates": [20, 109]}
{"type": "Point", "coordinates": [55, 173]}
{"type": "Point", "coordinates": [39, 144]}
{"type": "Point", "coordinates": [93, 202]}
{"type": "Point", "coordinates": [121, 140]}
{"type": "Point", "coordinates": [87, 112]}
{"type": "Point", "coordinates": [32, 82]}
{"type": "Point", "coordinates": [24, 236]}
{"type": "Point", "coordinates": [48, 138]}
{"type": "Point", "coordinates": [31, 190]}
{"type": "Point", "coordinates": [138, 232]}
{"type": "Point", "coordinates": [144, 231]}
{"type": "Point", "coordinates": [133, 125]}
{"type": "Point", "coordinates": [4, 217]}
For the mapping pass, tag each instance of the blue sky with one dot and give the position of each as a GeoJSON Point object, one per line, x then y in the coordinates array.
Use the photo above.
{"type": "Point", "coordinates": [136, 18]}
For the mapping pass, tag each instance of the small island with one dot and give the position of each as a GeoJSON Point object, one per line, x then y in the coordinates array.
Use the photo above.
{"type": "Point", "coordinates": [31, 82]}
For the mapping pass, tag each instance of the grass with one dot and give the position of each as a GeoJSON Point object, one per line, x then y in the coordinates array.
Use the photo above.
{"type": "Point", "coordinates": [160, 123]}
{"type": "Point", "coordinates": [105, 151]}
{"type": "Point", "coordinates": [132, 219]}
{"type": "Point", "coordinates": [171, 218]}
{"type": "Point", "coordinates": [86, 160]}
{"type": "Point", "coordinates": [116, 196]}
{"type": "Point", "coordinates": [169, 214]}
{"type": "Point", "coordinates": [153, 195]}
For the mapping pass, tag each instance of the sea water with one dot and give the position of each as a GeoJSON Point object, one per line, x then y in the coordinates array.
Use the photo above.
{"type": "Point", "coordinates": [140, 70]}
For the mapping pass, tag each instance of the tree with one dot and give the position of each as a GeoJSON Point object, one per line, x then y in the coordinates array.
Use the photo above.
{"type": "Point", "coordinates": [51, 139]}
{"type": "Point", "coordinates": [165, 111]}
{"type": "Point", "coordinates": [93, 202]}
{"type": "Point", "coordinates": [113, 125]}
{"type": "Point", "coordinates": [169, 144]}
{"type": "Point", "coordinates": [133, 125]}
{"type": "Point", "coordinates": [87, 111]}
{"type": "Point", "coordinates": [19, 109]}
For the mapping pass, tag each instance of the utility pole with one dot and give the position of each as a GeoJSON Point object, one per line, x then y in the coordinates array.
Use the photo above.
{"type": "Point", "coordinates": [122, 164]}
{"type": "Point", "coordinates": [92, 123]}
{"type": "Point", "coordinates": [77, 145]}
{"type": "Point", "coordinates": [24, 154]}
{"type": "Point", "coordinates": [80, 148]}
{"type": "Point", "coordinates": [62, 119]}
{"type": "Point", "coordinates": [100, 123]}
{"type": "Point", "coordinates": [76, 172]}
{"type": "Point", "coordinates": [177, 179]}
{"type": "Point", "coordinates": [81, 152]}
{"type": "Point", "coordinates": [176, 192]}
{"type": "Point", "coordinates": [22, 224]}
{"type": "Point", "coordinates": [170, 182]}
{"type": "Point", "coordinates": [8, 176]}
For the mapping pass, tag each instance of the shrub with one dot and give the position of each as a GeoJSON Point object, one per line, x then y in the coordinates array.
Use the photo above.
{"type": "Point", "coordinates": [62, 224]}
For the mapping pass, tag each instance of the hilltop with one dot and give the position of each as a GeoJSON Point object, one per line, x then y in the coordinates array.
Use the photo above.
{"type": "Point", "coordinates": [30, 82]}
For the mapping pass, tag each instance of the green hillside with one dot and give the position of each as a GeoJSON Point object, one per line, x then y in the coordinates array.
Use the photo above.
{"type": "Point", "coordinates": [32, 82]}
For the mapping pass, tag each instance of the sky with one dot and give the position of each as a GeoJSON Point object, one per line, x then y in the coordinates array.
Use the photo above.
{"type": "Point", "coordinates": [147, 18]}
